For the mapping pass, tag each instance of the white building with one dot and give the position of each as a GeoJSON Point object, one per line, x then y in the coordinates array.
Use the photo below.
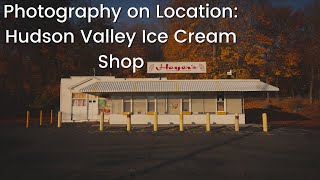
{"type": "Point", "coordinates": [82, 98]}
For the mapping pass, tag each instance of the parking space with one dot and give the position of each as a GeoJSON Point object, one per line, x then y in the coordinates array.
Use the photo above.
{"type": "Point", "coordinates": [81, 151]}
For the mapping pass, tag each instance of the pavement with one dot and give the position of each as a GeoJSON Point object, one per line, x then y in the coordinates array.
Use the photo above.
{"type": "Point", "coordinates": [80, 151]}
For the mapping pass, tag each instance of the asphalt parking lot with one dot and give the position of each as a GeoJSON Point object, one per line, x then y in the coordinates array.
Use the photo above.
{"type": "Point", "coordinates": [80, 151]}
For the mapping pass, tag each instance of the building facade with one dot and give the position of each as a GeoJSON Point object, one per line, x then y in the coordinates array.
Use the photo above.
{"type": "Point", "coordinates": [83, 98]}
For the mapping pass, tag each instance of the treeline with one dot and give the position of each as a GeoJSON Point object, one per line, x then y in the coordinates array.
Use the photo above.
{"type": "Point", "coordinates": [279, 45]}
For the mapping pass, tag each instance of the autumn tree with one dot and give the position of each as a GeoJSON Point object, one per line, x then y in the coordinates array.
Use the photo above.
{"type": "Point", "coordinates": [191, 52]}
{"type": "Point", "coordinates": [29, 67]}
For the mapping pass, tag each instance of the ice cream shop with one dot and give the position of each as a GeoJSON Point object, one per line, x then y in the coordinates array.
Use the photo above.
{"type": "Point", "coordinates": [83, 98]}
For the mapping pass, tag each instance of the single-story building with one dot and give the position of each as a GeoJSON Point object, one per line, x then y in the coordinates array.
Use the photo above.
{"type": "Point", "coordinates": [83, 98]}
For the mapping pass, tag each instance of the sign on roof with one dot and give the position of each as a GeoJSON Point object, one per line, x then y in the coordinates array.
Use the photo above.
{"type": "Point", "coordinates": [176, 67]}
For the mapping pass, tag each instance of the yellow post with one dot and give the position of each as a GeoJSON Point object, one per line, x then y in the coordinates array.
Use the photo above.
{"type": "Point", "coordinates": [236, 123]}
{"type": "Point", "coordinates": [208, 128]}
{"type": "Point", "coordinates": [265, 122]}
{"type": "Point", "coordinates": [129, 122]}
{"type": "Point", "coordinates": [51, 118]}
{"type": "Point", "coordinates": [101, 121]}
{"type": "Point", "coordinates": [40, 123]}
{"type": "Point", "coordinates": [181, 122]}
{"type": "Point", "coordinates": [59, 119]}
{"type": "Point", "coordinates": [27, 119]}
{"type": "Point", "coordinates": [155, 124]}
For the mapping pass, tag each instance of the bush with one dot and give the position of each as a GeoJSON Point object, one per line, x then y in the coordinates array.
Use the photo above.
{"type": "Point", "coordinates": [49, 98]}
{"type": "Point", "coordinates": [269, 106]}
{"type": "Point", "coordinates": [296, 105]}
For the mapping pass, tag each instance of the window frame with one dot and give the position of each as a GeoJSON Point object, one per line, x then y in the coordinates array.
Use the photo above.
{"type": "Point", "coordinates": [224, 102]}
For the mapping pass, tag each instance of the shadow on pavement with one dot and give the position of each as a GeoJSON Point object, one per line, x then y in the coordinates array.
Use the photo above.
{"type": "Point", "coordinates": [142, 172]}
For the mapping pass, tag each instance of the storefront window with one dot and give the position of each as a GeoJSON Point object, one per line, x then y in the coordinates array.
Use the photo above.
{"type": "Point", "coordinates": [174, 106]}
{"type": "Point", "coordinates": [104, 105]}
{"type": "Point", "coordinates": [79, 99]}
{"type": "Point", "coordinates": [116, 104]}
{"type": "Point", "coordinates": [161, 104]}
{"type": "Point", "coordinates": [221, 102]}
{"type": "Point", "coordinates": [185, 103]}
{"type": "Point", "coordinates": [197, 103]}
{"type": "Point", "coordinates": [127, 104]}
{"type": "Point", "coordinates": [151, 104]}
{"type": "Point", "coordinates": [209, 100]}
{"type": "Point", "coordinates": [139, 105]}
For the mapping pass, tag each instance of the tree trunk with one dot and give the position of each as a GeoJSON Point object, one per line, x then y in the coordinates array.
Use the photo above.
{"type": "Point", "coordinates": [268, 94]}
{"type": "Point", "coordinates": [268, 97]}
{"type": "Point", "coordinates": [311, 85]}
{"type": "Point", "coordinates": [292, 93]}
{"type": "Point", "coordinates": [318, 84]}
{"type": "Point", "coordinates": [277, 85]}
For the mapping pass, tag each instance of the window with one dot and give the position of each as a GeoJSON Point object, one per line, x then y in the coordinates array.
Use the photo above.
{"type": "Point", "coordinates": [127, 104]}
{"type": "Point", "coordinates": [221, 102]}
{"type": "Point", "coordinates": [161, 104]}
{"type": "Point", "coordinates": [174, 106]}
{"type": "Point", "coordinates": [151, 104]}
{"type": "Point", "coordinates": [116, 105]}
{"type": "Point", "coordinates": [185, 103]}
{"type": "Point", "coordinates": [79, 99]}
{"type": "Point", "coordinates": [209, 102]}
{"type": "Point", "coordinates": [197, 103]}
{"type": "Point", "coordinates": [139, 105]}
{"type": "Point", "coordinates": [79, 95]}
{"type": "Point", "coordinates": [104, 105]}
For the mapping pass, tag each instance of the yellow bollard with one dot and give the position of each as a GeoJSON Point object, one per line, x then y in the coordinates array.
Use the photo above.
{"type": "Point", "coordinates": [155, 124]}
{"type": "Point", "coordinates": [129, 122]}
{"type": "Point", "coordinates": [40, 123]}
{"type": "Point", "coordinates": [101, 121]}
{"type": "Point", "coordinates": [27, 119]}
{"type": "Point", "coordinates": [236, 123]}
{"type": "Point", "coordinates": [265, 122]}
{"type": "Point", "coordinates": [59, 119]}
{"type": "Point", "coordinates": [51, 118]}
{"type": "Point", "coordinates": [208, 128]}
{"type": "Point", "coordinates": [181, 122]}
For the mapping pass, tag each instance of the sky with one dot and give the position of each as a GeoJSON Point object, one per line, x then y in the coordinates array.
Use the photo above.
{"type": "Point", "coordinates": [298, 4]}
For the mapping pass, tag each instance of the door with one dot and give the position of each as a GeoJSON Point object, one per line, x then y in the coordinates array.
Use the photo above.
{"type": "Point", "coordinates": [93, 108]}
{"type": "Point", "coordinates": [79, 107]}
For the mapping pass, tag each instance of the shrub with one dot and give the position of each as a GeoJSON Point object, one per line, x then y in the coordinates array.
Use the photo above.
{"type": "Point", "coordinates": [296, 105]}
{"type": "Point", "coordinates": [49, 98]}
{"type": "Point", "coordinates": [269, 106]}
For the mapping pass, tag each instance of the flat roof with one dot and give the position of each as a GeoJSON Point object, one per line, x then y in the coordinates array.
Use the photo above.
{"type": "Point", "coordinates": [199, 85]}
